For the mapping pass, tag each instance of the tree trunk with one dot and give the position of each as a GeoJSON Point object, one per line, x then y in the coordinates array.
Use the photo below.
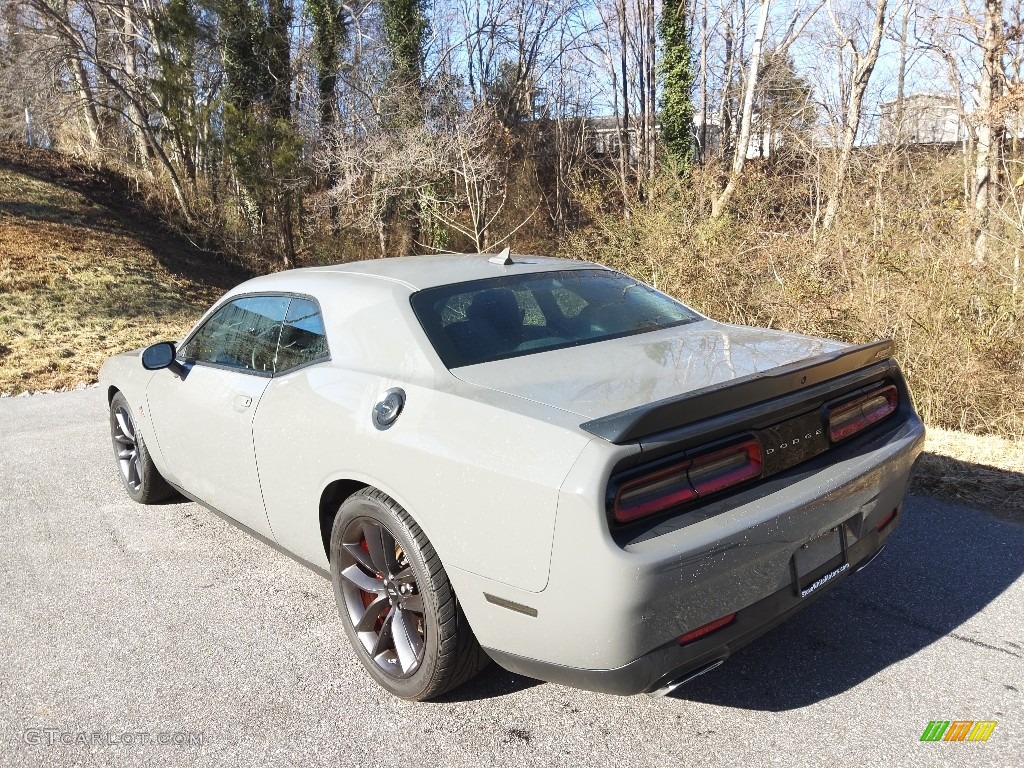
{"type": "Point", "coordinates": [901, 78]}
{"type": "Point", "coordinates": [136, 117]}
{"type": "Point", "coordinates": [625, 142]}
{"type": "Point", "coordinates": [85, 92]}
{"type": "Point", "coordinates": [724, 112]}
{"type": "Point", "coordinates": [740, 154]}
{"type": "Point", "coordinates": [863, 66]}
{"type": "Point", "coordinates": [990, 128]}
{"type": "Point", "coordinates": [279, 17]}
{"type": "Point", "coordinates": [648, 86]}
{"type": "Point", "coordinates": [703, 82]}
{"type": "Point", "coordinates": [330, 29]}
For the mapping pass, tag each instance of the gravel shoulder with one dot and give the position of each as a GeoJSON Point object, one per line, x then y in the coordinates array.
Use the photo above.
{"type": "Point", "coordinates": [985, 472]}
{"type": "Point", "coordinates": [118, 618]}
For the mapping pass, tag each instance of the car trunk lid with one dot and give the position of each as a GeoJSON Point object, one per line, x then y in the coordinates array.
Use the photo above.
{"type": "Point", "coordinates": [609, 377]}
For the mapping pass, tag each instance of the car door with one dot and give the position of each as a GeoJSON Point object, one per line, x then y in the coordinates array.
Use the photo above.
{"type": "Point", "coordinates": [203, 423]}
{"type": "Point", "coordinates": [298, 400]}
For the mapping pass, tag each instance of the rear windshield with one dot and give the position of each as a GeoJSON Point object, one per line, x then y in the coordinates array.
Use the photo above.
{"type": "Point", "coordinates": [501, 317]}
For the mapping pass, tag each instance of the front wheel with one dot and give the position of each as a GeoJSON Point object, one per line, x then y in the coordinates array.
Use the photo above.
{"type": "Point", "coordinates": [139, 474]}
{"type": "Point", "coordinates": [396, 603]}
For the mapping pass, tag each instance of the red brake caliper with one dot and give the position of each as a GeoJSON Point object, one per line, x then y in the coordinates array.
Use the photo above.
{"type": "Point", "coordinates": [369, 597]}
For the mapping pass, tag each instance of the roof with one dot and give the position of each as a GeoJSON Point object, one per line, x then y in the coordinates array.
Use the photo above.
{"type": "Point", "coordinates": [418, 272]}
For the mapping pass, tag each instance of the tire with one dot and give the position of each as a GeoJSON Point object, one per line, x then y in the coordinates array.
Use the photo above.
{"type": "Point", "coordinates": [139, 475]}
{"type": "Point", "coordinates": [396, 603]}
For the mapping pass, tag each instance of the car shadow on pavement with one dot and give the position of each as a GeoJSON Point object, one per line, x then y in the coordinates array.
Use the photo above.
{"type": "Point", "coordinates": [940, 568]}
{"type": "Point", "coordinates": [998, 491]}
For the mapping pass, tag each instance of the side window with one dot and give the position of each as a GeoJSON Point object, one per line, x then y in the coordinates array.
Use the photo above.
{"type": "Point", "coordinates": [242, 334]}
{"type": "Point", "coordinates": [302, 339]}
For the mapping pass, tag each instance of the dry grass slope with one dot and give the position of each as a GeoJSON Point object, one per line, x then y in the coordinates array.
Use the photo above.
{"type": "Point", "coordinates": [86, 271]}
{"type": "Point", "coordinates": [899, 268]}
{"type": "Point", "coordinates": [981, 471]}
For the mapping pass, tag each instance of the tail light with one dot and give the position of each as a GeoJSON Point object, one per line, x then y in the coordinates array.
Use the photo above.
{"type": "Point", "coordinates": [853, 416]}
{"type": "Point", "coordinates": [701, 475]}
{"type": "Point", "coordinates": [654, 493]}
{"type": "Point", "coordinates": [717, 471]}
{"type": "Point", "coordinates": [886, 520]}
{"type": "Point", "coordinates": [707, 629]}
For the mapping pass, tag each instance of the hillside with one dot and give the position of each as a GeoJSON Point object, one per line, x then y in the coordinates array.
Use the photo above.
{"type": "Point", "coordinates": [87, 271]}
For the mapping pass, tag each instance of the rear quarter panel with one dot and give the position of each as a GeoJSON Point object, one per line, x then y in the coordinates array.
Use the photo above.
{"type": "Point", "coordinates": [482, 482]}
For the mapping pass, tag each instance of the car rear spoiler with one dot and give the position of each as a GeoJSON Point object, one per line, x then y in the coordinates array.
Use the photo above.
{"type": "Point", "coordinates": [635, 423]}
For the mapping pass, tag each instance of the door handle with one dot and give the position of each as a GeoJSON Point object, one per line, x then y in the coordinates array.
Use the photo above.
{"type": "Point", "coordinates": [242, 402]}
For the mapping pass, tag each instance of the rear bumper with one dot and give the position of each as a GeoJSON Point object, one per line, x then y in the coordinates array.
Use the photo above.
{"type": "Point", "coordinates": [612, 612]}
{"type": "Point", "coordinates": [672, 664]}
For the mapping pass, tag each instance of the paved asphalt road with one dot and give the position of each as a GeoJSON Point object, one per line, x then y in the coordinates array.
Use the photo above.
{"type": "Point", "coordinates": [115, 618]}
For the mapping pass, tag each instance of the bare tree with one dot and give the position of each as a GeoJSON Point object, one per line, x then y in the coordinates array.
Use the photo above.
{"type": "Point", "coordinates": [991, 124]}
{"type": "Point", "coordinates": [702, 136]}
{"type": "Point", "coordinates": [609, 41]}
{"type": "Point", "coordinates": [718, 206]}
{"type": "Point", "coordinates": [643, 44]}
{"type": "Point", "coordinates": [904, 43]}
{"type": "Point", "coordinates": [799, 18]}
{"type": "Point", "coordinates": [862, 64]}
{"type": "Point", "coordinates": [970, 42]}
{"type": "Point", "coordinates": [454, 167]}
{"type": "Point", "coordinates": [103, 56]}
{"type": "Point", "coordinates": [467, 154]}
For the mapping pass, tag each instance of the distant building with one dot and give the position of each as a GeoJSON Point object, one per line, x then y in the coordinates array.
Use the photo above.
{"type": "Point", "coordinates": [928, 118]}
{"type": "Point", "coordinates": [707, 138]}
{"type": "Point", "coordinates": [604, 134]}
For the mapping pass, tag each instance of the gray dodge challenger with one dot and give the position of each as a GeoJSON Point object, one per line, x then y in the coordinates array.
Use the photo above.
{"type": "Point", "coordinates": [535, 461]}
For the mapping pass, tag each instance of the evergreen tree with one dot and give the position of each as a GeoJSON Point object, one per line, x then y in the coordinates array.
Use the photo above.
{"type": "Point", "coordinates": [330, 31]}
{"type": "Point", "coordinates": [783, 104]}
{"type": "Point", "coordinates": [260, 138]}
{"type": "Point", "coordinates": [677, 78]}
{"type": "Point", "coordinates": [514, 100]}
{"type": "Point", "coordinates": [177, 31]}
{"type": "Point", "coordinates": [405, 26]}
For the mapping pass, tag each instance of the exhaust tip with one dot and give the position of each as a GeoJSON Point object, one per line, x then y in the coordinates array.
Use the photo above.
{"type": "Point", "coordinates": [665, 690]}
{"type": "Point", "coordinates": [871, 559]}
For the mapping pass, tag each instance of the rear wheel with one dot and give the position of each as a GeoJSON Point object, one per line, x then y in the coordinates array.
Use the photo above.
{"type": "Point", "coordinates": [140, 476]}
{"type": "Point", "coordinates": [396, 603]}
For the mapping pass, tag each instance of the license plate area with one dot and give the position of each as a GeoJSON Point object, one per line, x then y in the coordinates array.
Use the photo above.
{"type": "Point", "coordinates": [820, 560]}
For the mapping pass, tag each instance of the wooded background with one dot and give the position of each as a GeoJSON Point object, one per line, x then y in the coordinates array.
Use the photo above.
{"type": "Point", "coordinates": [760, 160]}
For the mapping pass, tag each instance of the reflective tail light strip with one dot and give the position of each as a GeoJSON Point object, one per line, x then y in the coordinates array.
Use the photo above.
{"type": "Point", "coordinates": [707, 629]}
{"type": "Point", "coordinates": [847, 419]}
{"type": "Point", "coordinates": [702, 475]}
{"type": "Point", "coordinates": [722, 469]}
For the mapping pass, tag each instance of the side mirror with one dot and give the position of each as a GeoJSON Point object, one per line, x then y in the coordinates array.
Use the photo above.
{"type": "Point", "coordinates": [160, 356]}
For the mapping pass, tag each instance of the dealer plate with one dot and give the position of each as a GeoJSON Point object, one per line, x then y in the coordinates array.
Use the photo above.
{"type": "Point", "coordinates": [817, 552]}
{"type": "Point", "coordinates": [819, 561]}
